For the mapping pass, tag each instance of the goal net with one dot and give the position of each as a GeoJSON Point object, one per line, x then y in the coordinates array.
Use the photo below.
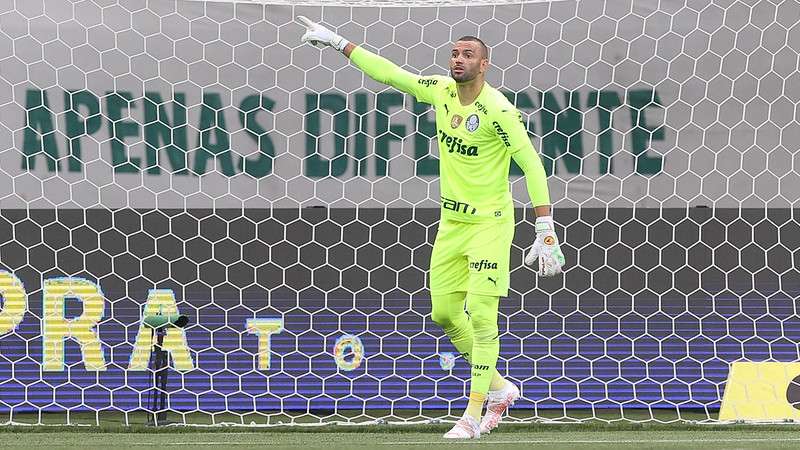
{"type": "Point", "coordinates": [194, 158]}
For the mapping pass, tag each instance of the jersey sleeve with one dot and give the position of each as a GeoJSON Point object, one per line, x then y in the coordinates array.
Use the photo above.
{"type": "Point", "coordinates": [511, 130]}
{"type": "Point", "coordinates": [384, 71]}
{"type": "Point", "coordinates": [535, 176]}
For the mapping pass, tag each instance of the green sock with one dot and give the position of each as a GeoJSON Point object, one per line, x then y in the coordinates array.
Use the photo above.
{"type": "Point", "coordinates": [448, 312]}
{"type": "Point", "coordinates": [485, 341]}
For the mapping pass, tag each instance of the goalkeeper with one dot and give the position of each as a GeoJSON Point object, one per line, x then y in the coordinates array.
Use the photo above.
{"type": "Point", "coordinates": [478, 131]}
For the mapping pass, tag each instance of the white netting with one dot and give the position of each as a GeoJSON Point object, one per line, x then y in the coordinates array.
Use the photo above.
{"type": "Point", "coordinates": [382, 3]}
{"type": "Point", "coordinates": [289, 204]}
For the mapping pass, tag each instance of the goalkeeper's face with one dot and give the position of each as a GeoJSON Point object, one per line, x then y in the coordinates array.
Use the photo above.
{"type": "Point", "coordinates": [467, 61]}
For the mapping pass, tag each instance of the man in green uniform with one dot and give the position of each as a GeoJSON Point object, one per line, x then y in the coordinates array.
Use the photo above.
{"type": "Point", "coordinates": [478, 132]}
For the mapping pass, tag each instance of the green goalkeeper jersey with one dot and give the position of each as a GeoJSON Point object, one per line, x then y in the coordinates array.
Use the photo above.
{"type": "Point", "coordinates": [476, 143]}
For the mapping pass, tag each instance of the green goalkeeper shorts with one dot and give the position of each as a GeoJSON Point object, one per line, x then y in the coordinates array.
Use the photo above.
{"type": "Point", "coordinates": [471, 257]}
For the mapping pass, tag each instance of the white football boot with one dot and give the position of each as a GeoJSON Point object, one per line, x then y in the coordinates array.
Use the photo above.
{"type": "Point", "coordinates": [466, 428]}
{"type": "Point", "coordinates": [497, 403]}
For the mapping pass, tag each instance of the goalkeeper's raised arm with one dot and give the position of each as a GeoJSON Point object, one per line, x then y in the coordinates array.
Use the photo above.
{"type": "Point", "coordinates": [375, 66]}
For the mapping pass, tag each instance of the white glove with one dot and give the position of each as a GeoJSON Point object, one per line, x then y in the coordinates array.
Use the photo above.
{"type": "Point", "coordinates": [545, 249]}
{"type": "Point", "coordinates": [318, 34]}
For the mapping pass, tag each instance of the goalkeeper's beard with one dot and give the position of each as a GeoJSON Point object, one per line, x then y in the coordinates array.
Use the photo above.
{"type": "Point", "coordinates": [466, 75]}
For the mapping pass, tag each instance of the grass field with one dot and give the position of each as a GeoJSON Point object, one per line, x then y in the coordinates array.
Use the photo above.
{"type": "Point", "coordinates": [593, 436]}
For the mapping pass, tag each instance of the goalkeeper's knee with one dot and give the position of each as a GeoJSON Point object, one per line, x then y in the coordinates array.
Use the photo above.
{"type": "Point", "coordinates": [450, 322]}
{"type": "Point", "coordinates": [483, 315]}
{"type": "Point", "coordinates": [447, 310]}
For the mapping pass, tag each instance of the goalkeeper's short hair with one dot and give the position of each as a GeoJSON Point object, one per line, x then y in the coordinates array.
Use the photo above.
{"type": "Point", "coordinates": [475, 39]}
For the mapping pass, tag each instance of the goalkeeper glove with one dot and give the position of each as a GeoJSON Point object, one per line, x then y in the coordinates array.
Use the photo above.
{"type": "Point", "coordinates": [318, 34]}
{"type": "Point", "coordinates": [545, 249]}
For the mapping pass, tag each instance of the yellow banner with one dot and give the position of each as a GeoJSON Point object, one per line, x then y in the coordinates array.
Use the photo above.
{"type": "Point", "coordinates": [762, 391]}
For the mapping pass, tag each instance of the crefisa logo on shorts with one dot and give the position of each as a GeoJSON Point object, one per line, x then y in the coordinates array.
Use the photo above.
{"type": "Point", "coordinates": [482, 264]}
